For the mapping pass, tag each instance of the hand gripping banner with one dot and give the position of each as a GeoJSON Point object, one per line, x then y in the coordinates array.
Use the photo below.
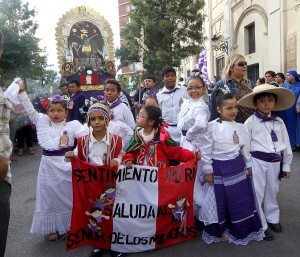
{"type": "Point", "coordinates": [131, 209]}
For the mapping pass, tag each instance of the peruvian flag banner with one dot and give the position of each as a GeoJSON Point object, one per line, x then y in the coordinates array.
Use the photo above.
{"type": "Point", "coordinates": [132, 209]}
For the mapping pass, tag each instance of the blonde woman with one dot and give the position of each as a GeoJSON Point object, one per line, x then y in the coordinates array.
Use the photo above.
{"type": "Point", "coordinates": [235, 78]}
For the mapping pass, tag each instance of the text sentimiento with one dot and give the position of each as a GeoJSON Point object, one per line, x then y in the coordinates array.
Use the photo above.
{"type": "Point", "coordinates": [137, 173]}
{"type": "Point", "coordinates": [132, 209]}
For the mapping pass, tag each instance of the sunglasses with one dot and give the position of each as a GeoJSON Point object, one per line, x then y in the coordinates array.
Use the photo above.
{"type": "Point", "coordinates": [240, 64]}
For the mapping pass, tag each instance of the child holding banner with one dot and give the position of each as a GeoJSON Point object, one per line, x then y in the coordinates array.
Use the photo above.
{"type": "Point", "coordinates": [53, 208]}
{"type": "Point", "coordinates": [151, 144]}
{"type": "Point", "coordinates": [238, 218]}
{"type": "Point", "coordinates": [99, 147]}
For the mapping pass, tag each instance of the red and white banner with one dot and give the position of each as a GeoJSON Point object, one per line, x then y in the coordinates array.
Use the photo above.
{"type": "Point", "coordinates": [132, 210]}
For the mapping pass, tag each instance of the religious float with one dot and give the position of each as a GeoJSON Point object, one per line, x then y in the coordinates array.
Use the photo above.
{"type": "Point", "coordinates": [85, 49]}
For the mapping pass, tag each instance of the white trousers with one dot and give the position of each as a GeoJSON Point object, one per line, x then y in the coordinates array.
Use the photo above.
{"type": "Point", "coordinates": [266, 183]}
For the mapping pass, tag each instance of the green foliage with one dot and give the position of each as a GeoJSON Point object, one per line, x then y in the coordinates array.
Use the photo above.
{"type": "Point", "coordinates": [172, 29]}
{"type": "Point", "coordinates": [22, 55]}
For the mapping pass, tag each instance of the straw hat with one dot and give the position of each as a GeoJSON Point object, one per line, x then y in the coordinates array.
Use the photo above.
{"type": "Point", "coordinates": [285, 97]}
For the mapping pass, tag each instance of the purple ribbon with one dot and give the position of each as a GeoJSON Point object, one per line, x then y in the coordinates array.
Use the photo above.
{"type": "Point", "coordinates": [265, 118]}
{"type": "Point", "coordinates": [270, 157]}
{"type": "Point", "coordinates": [267, 157]}
{"type": "Point", "coordinates": [170, 92]}
{"type": "Point", "coordinates": [115, 104]}
{"type": "Point", "coordinates": [60, 152]}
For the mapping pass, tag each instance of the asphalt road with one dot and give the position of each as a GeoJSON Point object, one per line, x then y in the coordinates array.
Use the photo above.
{"type": "Point", "coordinates": [22, 243]}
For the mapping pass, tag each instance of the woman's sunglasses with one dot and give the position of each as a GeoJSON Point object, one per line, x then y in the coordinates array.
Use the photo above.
{"type": "Point", "coordinates": [240, 64]}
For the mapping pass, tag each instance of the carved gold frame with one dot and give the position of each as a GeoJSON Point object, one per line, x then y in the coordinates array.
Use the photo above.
{"type": "Point", "coordinates": [82, 13]}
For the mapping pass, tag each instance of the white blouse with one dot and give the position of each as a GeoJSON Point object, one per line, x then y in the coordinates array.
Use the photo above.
{"type": "Point", "coordinates": [193, 117]}
{"type": "Point", "coordinates": [223, 144]}
{"type": "Point", "coordinates": [48, 132]}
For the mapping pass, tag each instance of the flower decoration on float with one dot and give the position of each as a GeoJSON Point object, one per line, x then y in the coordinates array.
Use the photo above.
{"type": "Point", "coordinates": [201, 65]}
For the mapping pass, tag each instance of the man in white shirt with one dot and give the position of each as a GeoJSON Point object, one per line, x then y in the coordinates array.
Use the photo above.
{"type": "Point", "coordinates": [170, 99]}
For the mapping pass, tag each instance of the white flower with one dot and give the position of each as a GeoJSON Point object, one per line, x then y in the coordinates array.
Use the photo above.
{"type": "Point", "coordinates": [225, 90]}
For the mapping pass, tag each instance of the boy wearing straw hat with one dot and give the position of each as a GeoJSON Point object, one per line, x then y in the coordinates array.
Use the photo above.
{"type": "Point", "coordinates": [270, 148]}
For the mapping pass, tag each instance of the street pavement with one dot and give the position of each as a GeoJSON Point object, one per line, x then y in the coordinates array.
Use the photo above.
{"type": "Point", "coordinates": [22, 243]}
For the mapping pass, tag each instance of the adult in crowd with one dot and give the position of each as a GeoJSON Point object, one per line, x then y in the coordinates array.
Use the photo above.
{"type": "Point", "coordinates": [279, 78]}
{"type": "Point", "coordinates": [290, 115]}
{"type": "Point", "coordinates": [24, 134]}
{"type": "Point", "coordinates": [77, 101]}
{"type": "Point", "coordinates": [270, 78]}
{"type": "Point", "coordinates": [44, 101]}
{"type": "Point", "coordinates": [64, 89]}
{"type": "Point", "coordinates": [36, 101]}
{"type": "Point", "coordinates": [235, 71]}
{"type": "Point", "coordinates": [144, 92]}
{"type": "Point", "coordinates": [5, 175]}
{"type": "Point", "coordinates": [170, 99]}
{"type": "Point", "coordinates": [125, 97]}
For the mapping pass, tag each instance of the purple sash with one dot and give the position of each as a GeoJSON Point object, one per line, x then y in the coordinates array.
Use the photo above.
{"type": "Point", "coordinates": [267, 157]}
{"type": "Point", "coordinates": [115, 104]}
{"type": "Point", "coordinates": [60, 152]}
{"type": "Point", "coordinates": [270, 157]}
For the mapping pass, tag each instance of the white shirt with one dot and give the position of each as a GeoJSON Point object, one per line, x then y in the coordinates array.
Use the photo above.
{"type": "Point", "coordinates": [193, 117]}
{"type": "Point", "coordinates": [170, 103]}
{"type": "Point", "coordinates": [260, 138]}
{"type": "Point", "coordinates": [121, 129]}
{"type": "Point", "coordinates": [98, 150]}
{"type": "Point", "coordinates": [222, 143]}
{"type": "Point", "coordinates": [124, 114]}
{"type": "Point", "coordinates": [118, 128]}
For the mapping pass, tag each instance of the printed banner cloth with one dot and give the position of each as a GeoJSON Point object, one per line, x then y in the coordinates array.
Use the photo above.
{"type": "Point", "coordinates": [131, 209]}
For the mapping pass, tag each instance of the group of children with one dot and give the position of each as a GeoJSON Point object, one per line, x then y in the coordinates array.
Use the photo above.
{"type": "Point", "coordinates": [238, 164]}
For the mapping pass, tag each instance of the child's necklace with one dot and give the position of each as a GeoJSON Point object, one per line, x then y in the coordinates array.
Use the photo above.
{"type": "Point", "coordinates": [273, 135]}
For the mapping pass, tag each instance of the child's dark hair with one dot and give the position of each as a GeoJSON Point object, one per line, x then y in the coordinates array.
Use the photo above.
{"type": "Point", "coordinates": [154, 113]}
{"type": "Point", "coordinates": [270, 72]}
{"type": "Point", "coordinates": [152, 78]}
{"type": "Point", "coordinates": [220, 98]}
{"type": "Point", "coordinates": [63, 85]}
{"type": "Point", "coordinates": [198, 78]}
{"type": "Point", "coordinates": [262, 80]}
{"type": "Point", "coordinates": [151, 97]}
{"type": "Point", "coordinates": [280, 75]}
{"type": "Point", "coordinates": [63, 103]}
{"type": "Point", "coordinates": [256, 97]}
{"type": "Point", "coordinates": [115, 82]}
{"type": "Point", "coordinates": [167, 70]}
{"type": "Point", "coordinates": [76, 82]}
